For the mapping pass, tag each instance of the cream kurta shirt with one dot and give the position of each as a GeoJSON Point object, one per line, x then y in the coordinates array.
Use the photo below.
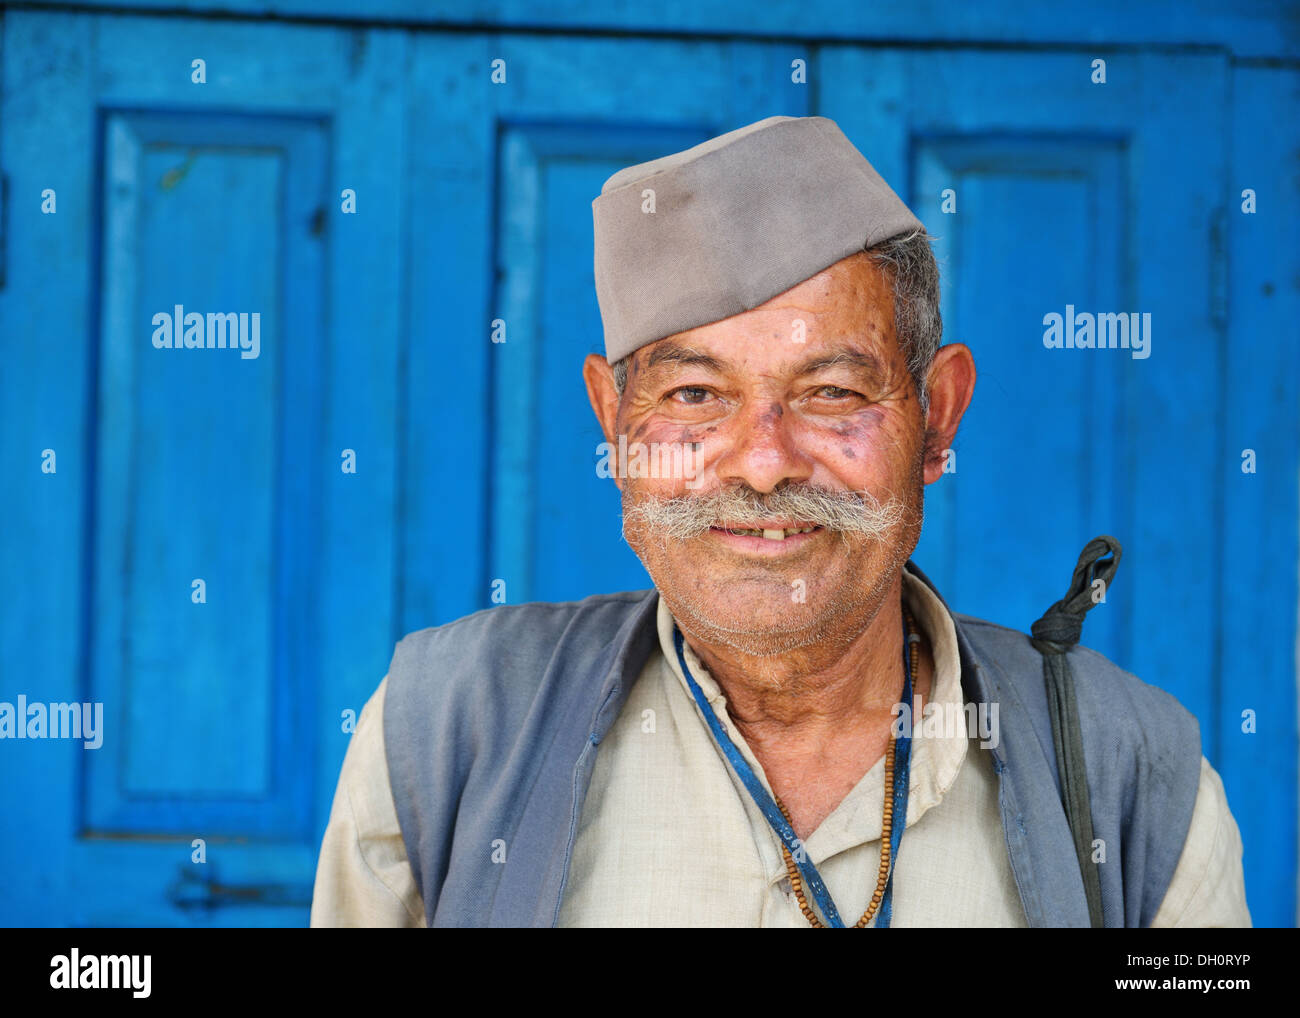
{"type": "Point", "coordinates": [670, 837]}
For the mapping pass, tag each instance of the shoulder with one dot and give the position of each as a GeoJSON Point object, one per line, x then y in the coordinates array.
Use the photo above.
{"type": "Point", "coordinates": [485, 715]}
{"type": "Point", "coordinates": [1142, 752]}
{"type": "Point", "coordinates": [1108, 695]}
{"type": "Point", "coordinates": [531, 623]}
{"type": "Point", "coordinates": [501, 655]}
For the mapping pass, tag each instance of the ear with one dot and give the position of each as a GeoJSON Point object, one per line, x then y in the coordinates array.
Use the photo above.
{"type": "Point", "coordinates": [604, 398]}
{"type": "Point", "coordinates": [951, 383]}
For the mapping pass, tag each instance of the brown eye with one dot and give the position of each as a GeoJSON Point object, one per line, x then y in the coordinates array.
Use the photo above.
{"type": "Point", "coordinates": [834, 392]}
{"type": "Point", "coordinates": [692, 395]}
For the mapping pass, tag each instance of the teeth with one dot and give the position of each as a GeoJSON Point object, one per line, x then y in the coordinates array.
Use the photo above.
{"type": "Point", "coordinates": [775, 535]}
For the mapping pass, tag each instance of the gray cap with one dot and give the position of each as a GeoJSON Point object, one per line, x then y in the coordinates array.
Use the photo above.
{"type": "Point", "coordinates": [737, 220]}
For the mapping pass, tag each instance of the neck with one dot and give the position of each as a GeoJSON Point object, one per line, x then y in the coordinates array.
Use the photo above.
{"type": "Point", "coordinates": [839, 681]}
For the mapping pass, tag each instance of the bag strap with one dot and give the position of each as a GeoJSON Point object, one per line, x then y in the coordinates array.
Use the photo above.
{"type": "Point", "coordinates": [1053, 635]}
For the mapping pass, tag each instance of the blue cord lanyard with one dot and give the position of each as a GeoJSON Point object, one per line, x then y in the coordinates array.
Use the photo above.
{"type": "Point", "coordinates": [767, 805]}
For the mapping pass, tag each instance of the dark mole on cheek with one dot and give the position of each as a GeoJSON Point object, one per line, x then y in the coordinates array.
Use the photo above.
{"type": "Point", "coordinates": [848, 452]}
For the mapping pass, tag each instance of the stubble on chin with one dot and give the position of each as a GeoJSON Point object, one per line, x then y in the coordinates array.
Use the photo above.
{"type": "Point", "coordinates": [754, 610]}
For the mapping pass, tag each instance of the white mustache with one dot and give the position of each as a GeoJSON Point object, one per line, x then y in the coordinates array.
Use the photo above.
{"type": "Point", "coordinates": [688, 516]}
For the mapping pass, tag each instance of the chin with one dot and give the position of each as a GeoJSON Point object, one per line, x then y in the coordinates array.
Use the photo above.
{"type": "Point", "coordinates": [747, 635]}
{"type": "Point", "coordinates": [756, 616]}
{"type": "Point", "coordinates": [752, 607]}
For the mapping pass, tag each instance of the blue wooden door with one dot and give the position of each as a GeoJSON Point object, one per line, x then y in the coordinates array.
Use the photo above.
{"type": "Point", "coordinates": [194, 557]}
{"type": "Point", "coordinates": [221, 549]}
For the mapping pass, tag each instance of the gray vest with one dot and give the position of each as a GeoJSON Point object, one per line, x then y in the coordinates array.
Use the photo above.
{"type": "Point", "coordinates": [492, 724]}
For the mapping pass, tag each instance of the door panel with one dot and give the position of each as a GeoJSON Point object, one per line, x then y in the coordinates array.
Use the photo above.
{"type": "Point", "coordinates": [189, 442]}
{"type": "Point", "coordinates": [185, 570]}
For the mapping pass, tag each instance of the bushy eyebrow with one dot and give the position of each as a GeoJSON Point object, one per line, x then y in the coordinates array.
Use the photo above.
{"type": "Point", "coordinates": [676, 353]}
{"type": "Point", "coordinates": [855, 358]}
{"type": "Point", "coordinates": [665, 353]}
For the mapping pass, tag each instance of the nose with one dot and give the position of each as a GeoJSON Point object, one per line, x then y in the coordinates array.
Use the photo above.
{"type": "Point", "coordinates": [763, 449]}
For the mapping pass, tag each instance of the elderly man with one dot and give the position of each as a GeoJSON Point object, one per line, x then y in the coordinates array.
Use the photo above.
{"type": "Point", "coordinates": [736, 747]}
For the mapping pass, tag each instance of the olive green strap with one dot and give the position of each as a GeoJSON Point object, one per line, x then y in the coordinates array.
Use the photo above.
{"type": "Point", "coordinates": [1053, 635]}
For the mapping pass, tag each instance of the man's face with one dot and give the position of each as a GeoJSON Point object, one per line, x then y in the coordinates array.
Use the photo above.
{"type": "Point", "coordinates": [827, 410]}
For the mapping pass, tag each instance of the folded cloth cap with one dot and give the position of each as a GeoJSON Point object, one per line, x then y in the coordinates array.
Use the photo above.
{"type": "Point", "coordinates": [736, 220]}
